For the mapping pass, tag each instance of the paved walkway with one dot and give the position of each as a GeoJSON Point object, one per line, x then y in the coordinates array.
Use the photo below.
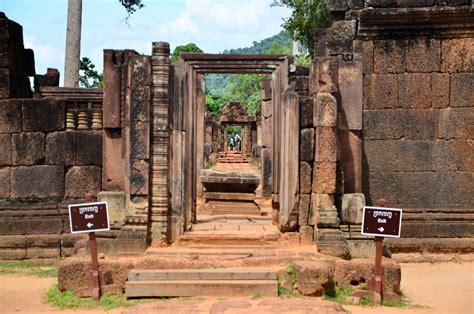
{"type": "Point", "coordinates": [235, 224]}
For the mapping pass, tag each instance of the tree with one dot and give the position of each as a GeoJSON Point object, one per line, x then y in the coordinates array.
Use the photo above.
{"type": "Point", "coordinates": [89, 78]}
{"type": "Point", "coordinates": [305, 17]}
{"type": "Point", "coordinates": [191, 47]}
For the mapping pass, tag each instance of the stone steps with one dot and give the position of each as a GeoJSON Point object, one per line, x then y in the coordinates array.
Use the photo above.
{"type": "Point", "coordinates": [430, 245]}
{"type": "Point", "coordinates": [217, 238]}
{"type": "Point", "coordinates": [201, 282]}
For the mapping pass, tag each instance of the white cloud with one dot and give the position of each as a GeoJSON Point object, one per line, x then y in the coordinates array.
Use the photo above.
{"type": "Point", "coordinates": [46, 55]}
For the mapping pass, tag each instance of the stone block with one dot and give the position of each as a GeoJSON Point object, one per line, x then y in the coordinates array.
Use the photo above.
{"type": "Point", "coordinates": [414, 90]}
{"type": "Point", "coordinates": [456, 123]}
{"type": "Point", "coordinates": [115, 204]}
{"type": "Point", "coordinates": [319, 202]}
{"type": "Point", "coordinates": [80, 180]}
{"type": "Point", "coordinates": [417, 188]}
{"type": "Point", "coordinates": [307, 144]}
{"type": "Point", "coordinates": [5, 186]}
{"type": "Point", "coordinates": [350, 91]}
{"type": "Point", "coordinates": [305, 177]}
{"type": "Point", "coordinates": [51, 78]}
{"type": "Point", "coordinates": [366, 49]}
{"type": "Point", "coordinates": [306, 235]}
{"type": "Point", "coordinates": [61, 148]}
{"type": "Point", "coordinates": [37, 182]}
{"type": "Point", "coordinates": [388, 124]}
{"type": "Point", "coordinates": [324, 177]}
{"type": "Point", "coordinates": [44, 115]}
{"type": "Point", "coordinates": [266, 89]}
{"type": "Point", "coordinates": [325, 110]}
{"type": "Point", "coordinates": [303, 215]}
{"type": "Point", "coordinates": [335, 40]}
{"type": "Point", "coordinates": [350, 156]}
{"type": "Point", "coordinates": [440, 90]}
{"type": "Point", "coordinates": [389, 56]}
{"type": "Point", "coordinates": [414, 156]}
{"type": "Point", "coordinates": [267, 132]}
{"type": "Point", "coordinates": [302, 82]}
{"type": "Point", "coordinates": [380, 155]}
{"type": "Point", "coordinates": [5, 149]}
{"type": "Point", "coordinates": [267, 109]}
{"type": "Point", "coordinates": [457, 55]}
{"type": "Point", "coordinates": [325, 145]}
{"type": "Point", "coordinates": [28, 148]}
{"type": "Point", "coordinates": [5, 83]}
{"type": "Point", "coordinates": [423, 124]}
{"type": "Point", "coordinates": [462, 90]}
{"type": "Point", "coordinates": [323, 75]}
{"type": "Point", "coordinates": [267, 171]}
{"type": "Point", "coordinates": [357, 272]}
{"type": "Point", "coordinates": [381, 91]}
{"type": "Point", "coordinates": [352, 205]}
{"type": "Point", "coordinates": [31, 225]}
{"type": "Point", "coordinates": [453, 155]}
{"type": "Point", "coordinates": [139, 177]}
{"type": "Point", "coordinates": [455, 188]}
{"type": "Point", "coordinates": [331, 241]}
{"type": "Point", "coordinates": [306, 112]}
{"type": "Point", "coordinates": [423, 55]}
{"type": "Point", "coordinates": [113, 163]}
{"type": "Point", "coordinates": [89, 148]}
{"type": "Point", "coordinates": [314, 278]}
{"type": "Point", "coordinates": [10, 115]}
{"type": "Point", "coordinates": [378, 184]}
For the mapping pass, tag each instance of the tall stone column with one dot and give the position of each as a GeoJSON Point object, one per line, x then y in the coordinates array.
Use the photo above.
{"type": "Point", "coordinates": [160, 140]}
{"type": "Point", "coordinates": [73, 43]}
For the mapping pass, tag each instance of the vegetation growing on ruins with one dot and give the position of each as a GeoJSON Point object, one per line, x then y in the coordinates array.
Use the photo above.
{"type": "Point", "coordinates": [88, 76]}
{"type": "Point", "coordinates": [191, 47]}
{"type": "Point", "coordinates": [29, 268]}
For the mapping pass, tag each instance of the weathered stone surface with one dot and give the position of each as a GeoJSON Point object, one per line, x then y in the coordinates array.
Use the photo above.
{"type": "Point", "coordinates": [452, 155]}
{"type": "Point", "coordinates": [462, 89]}
{"type": "Point", "coordinates": [10, 116]}
{"type": "Point", "coordinates": [51, 78]}
{"type": "Point", "coordinates": [266, 89]}
{"type": "Point", "coordinates": [454, 188]}
{"type": "Point", "coordinates": [318, 202]}
{"type": "Point", "coordinates": [267, 171]}
{"type": "Point", "coordinates": [349, 109]}
{"type": "Point", "coordinates": [89, 148]}
{"type": "Point", "coordinates": [324, 177]}
{"type": "Point", "coordinates": [306, 112]}
{"type": "Point", "coordinates": [325, 145]}
{"type": "Point", "coordinates": [414, 156]}
{"type": "Point", "coordinates": [5, 179]}
{"type": "Point", "coordinates": [351, 208]}
{"type": "Point", "coordinates": [74, 272]}
{"type": "Point", "coordinates": [304, 204]}
{"type": "Point", "coordinates": [31, 225]}
{"type": "Point", "coordinates": [323, 75]}
{"type": "Point", "coordinates": [267, 108]}
{"type": "Point", "coordinates": [380, 155]}
{"type": "Point", "coordinates": [414, 90]}
{"type": "Point", "coordinates": [456, 123]}
{"type": "Point", "coordinates": [305, 177]}
{"type": "Point", "coordinates": [61, 148]}
{"type": "Point", "coordinates": [113, 163]}
{"type": "Point", "coordinates": [336, 39]}
{"type": "Point", "coordinates": [357, 272]}
{"type": "Point", "coordinates": [306, 235]}
{"type": "Point", "coordinates": [5, 149]}
{"type": "Point", "coordinates": [417, 188]}
{"type": "Point", "coordinates": [325, 110]}
{"type": "Point", "coordinates": [457, 55]}
{"type": "Point", "coordinates": [366, 49]}
{"type": "Point", "coordinates": [377, 184]}
{"type": "Point", "coordinates": [440, 90]}
{"type": "Point", "coordinates": [28, 148]}
{"type": "Point", "coordinates": [139, 177]}
{"type": "Point", "coordinates": [423, 55]}
{"type": "Point", "coordinates": [389, 124]}
{"type": "Point", "coordinates": [331, 241]}
{"type": "Point", "coordinates": [302, 82]}
{"type": "Point", "coordinates": [389, 56]}
{"type": "Point", "coordinates": [44, 115]}
{"type": "Point", "coordinates": [307, 144]}
{"type": "Point", "coordinates": [81, 180]}
{"type": "Point", "coordinates": [381, 91]}
{"type": "Point", "coordinates": [423, 124]}
{"type": "Point", "coordinates": [37, 182]}
{"type": "Point", "coordinates": [314, 278]}
{"type": "Point", "coordinates": [350, 156]}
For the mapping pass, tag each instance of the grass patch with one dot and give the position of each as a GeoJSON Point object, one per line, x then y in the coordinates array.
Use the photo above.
{"type": "Point", "coordinates": [366, 302]}
{"type": "Point", "coordinates": [402, 303]}
{"type": "Point", "coordinates": [29, 268]}
{"type": "Point", "coordinates": [285, 293]}
{"type": "Point", "coordinates": [67, 300]}
{"type": "Point", "coordinates": [338, 295]}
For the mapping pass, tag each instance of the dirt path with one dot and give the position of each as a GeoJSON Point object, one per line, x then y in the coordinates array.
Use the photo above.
{"type": "Point", "coordinates": [437, 288]}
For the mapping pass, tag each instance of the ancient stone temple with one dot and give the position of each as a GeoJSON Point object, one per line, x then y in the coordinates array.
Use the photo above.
{"type": "Point", "coordinates": [384, 111]}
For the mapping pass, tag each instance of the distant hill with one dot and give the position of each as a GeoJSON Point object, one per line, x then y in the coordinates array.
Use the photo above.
{"type": "Point", "coordinates": [281, 39]}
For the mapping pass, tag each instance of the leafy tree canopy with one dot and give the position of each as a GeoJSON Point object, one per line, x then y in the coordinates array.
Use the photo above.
{"type": "Point", "coordinates": [131, 6]}
{"type": "Point", "coordinates": [88, 77]}
{"type": "Point", "coordinates": [191, 47]}
{"type": "Point", "coordinates": [305, 17]}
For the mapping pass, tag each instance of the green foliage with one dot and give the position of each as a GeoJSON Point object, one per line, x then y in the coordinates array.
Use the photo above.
{"type": "Point", "coordinates": [402, 303]}
{"type": "Point", "coordinates": [67, 300]}
{"type": "Point", "coordinates": [28, 268]}
{"type": "Point", "coordinates": [304, 60]}
{"type": "Point", "coordinates": [191, 47]}
{"type": "Point", "coordinates": [306, 16]}
{"type": "Point", "coordinates": [366, 302]}
{"type": "Point", "coordinates": [131, 6]}
{"type": "Point", "coordinates": [285, 293]}
{"type": "Point", "coordinates": [264, 46]}
{"type": "Point", "coordinates": [338, 295]}
{"type": "Point", "coordinates": [88, 77]}
{"type": "Point", "coordinates": [290, 270]}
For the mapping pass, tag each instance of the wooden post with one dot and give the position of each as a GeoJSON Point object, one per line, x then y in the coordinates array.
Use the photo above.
{"type": "Point", "coordinates": [95, 274]}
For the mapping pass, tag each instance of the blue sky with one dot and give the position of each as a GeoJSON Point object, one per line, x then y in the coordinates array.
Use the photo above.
{"type": "Point", "coordinates": [214, 25]}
